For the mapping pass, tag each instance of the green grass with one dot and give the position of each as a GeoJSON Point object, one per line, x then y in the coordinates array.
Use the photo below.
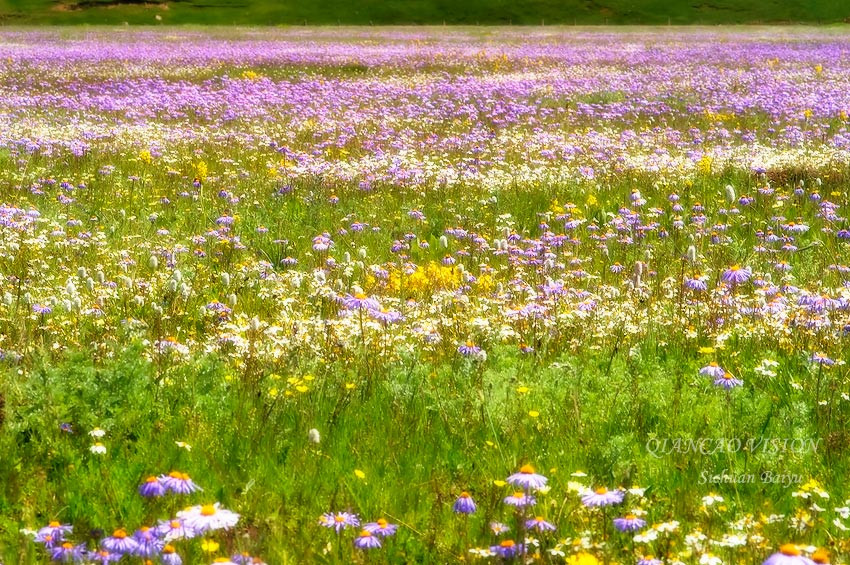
{"type": "Point", "coordinates": [468, 12]}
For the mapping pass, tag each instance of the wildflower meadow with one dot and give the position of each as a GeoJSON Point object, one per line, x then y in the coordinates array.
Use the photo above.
{"type": "Point", "coordinates": [425, 295]}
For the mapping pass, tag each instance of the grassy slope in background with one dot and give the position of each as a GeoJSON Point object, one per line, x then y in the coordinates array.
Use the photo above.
{"type": "Point", "coordinates": [264, 12]}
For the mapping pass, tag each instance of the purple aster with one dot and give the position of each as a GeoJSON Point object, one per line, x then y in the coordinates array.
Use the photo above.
{"type": "Point", "coordinates": [468, 349]}
{"type": "Point", "coordinates": [539, 524]}
{"type": "Point", "coordinates": [53, 533]}
{"type": "Point", "coordinates": [381, 528]}
{"type": "Point", "coordinates": [367, 540]}
{"type": "Point", "coordinates": [41, 309]}
{"type": "Point", "coordinates": [105, 557]}
{"type": "Point", "coordinates": [208, 517]}
{"type": "Point", "coordinates": [464, 504]}
{"type": "Point", "coordinates": [119, 543]}
{"type": "Point", "coordinates": [737, 275]}
{"type": "Point", "coordinates": [649, 560]}
{"type": "Point", "coordinates": [68, 552]}
{"type": "Point", "coordinates": [713, 370]}
{"type": "Point", "coordinates": [339, 521]}
{"type": "Point", "coordinates": [821, 359]}
{"type": "Point", "coordinates": [508, 549]}
{"type": "Point", "coordinates": [170, 530]}
{"type": "Point", "coordinates": [697, 283]}
{"type": "Point", "coordinates": [170, 556]}
{"type": "Point", "coordinates": [148, 542]}
{"type": "Point", "coordinates": [520, 499]}
{"type": "Point", "coordinates": [360, 301]}
{"type": "Point", "coordinates": [179, 483]}
{"type": "Point", "coordinates": [151, 488]}
{"type": "Point", "coordinates": [629, 523]}
{"type": "Point", "coordinates": [728, 381]}
{"type": "Point", "coordinates": [385, 316]}
{"type": "Point", "coordinates": [526, 478]}
{"type": "Point", "coordinates": [788, 554]}
{"type": "Point", "coordinates": [602, 497]}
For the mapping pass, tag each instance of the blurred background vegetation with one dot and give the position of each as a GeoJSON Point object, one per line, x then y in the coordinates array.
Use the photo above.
{"type": "Point", "coordinates": [377, 12]}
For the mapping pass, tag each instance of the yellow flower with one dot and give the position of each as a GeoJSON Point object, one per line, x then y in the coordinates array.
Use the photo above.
{"type": "Point", "coordinates": [522, 389]}
{"type": "Point", "coordinates": [706, 350]}
{"type": "Point", "coordinates": [582, 559]}
{"type": "Point", "coordinates": [201, 170]}
{"type": "Point", "coordinates": [302, 388]}
{"type": "Point", "coordinates": [360, 474]}
{"type": "Point", "coordinates": [209, 546]}
{"type": "Point", "coordinates": [533, 413]}
{"type": "Point", "coordinates": [499, 483]}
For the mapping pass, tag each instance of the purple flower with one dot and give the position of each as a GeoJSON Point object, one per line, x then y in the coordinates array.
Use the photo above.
{"type": "Point", "coordinates": [728, 381]}
{"type": "Point", "coordinates": [41, 309]}
{"type": "Point", "coordinates": [53, 533]}
{"type": "Point", "coordinates": [367, 540]}
{"type": "Point", "coordinates": [788, 554]}
{"type": "Point", "coordinates": [821, 359]}
{"type": "Point", "coordinates": [120, 543]}
{"type": "Point", "coordinates": [697, 283]}
{"type": "Point", "coordinates": [508, 549]}
{"type": "Point", "coordinates": [469, 349]}
{"type": "Point", "coordinates": [381, 528]}
{"type": "Point", "coordinates": [736, 275]}
{"type": "Point", "coordinates": [649, 560]}
{"type": "Point", "coordinates": [360, 301]}
{"type": "Point", "coordinates": [520, 499]}
{"type": "Point", "coordinates": [602, 497]}
{"type": "Point", "coordinates": [170, 556]}
{"type": "Point", "coordinates": [148, 542]}
{"type": "Point", "coordinates": [208, 517]}
{"type": "Point", "coordinates": [712, 370]}
{"type": "Point", "coordinates": [68, 552]}
{"type": "Point", "coordinates": [629, 523]}
{"type": "Point", "coordinates": [178, 483]}
{"type": "Point", "coordinates": [170, 530]}
{"type": "Point", "coordinates": [151, 488]}
{"type": "Point", "coordinates": [464, 504]}
{"type": "Point", "coordinates": [385, 316]}
{"type": "Point", "coordinates": [339, 521]}
{"type": "Point", "coordinates": [539, 524]}
{"type": "Point", "coordinates": [105, 557]}
{"type": "Point", "coordinates": [526, 478]}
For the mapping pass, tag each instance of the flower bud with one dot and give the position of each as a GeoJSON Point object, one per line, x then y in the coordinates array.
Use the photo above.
{"type": "Point", "coordinates": [314, 436]}
{"type": "Point", "coordinates": [153, 262]}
